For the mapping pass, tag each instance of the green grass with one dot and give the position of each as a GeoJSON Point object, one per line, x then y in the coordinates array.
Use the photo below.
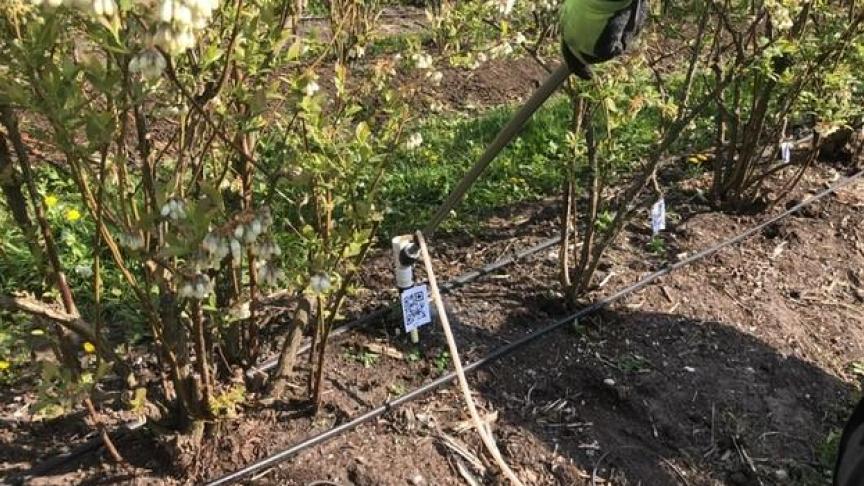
{"type": "Point", "coordinates": [530, 168]}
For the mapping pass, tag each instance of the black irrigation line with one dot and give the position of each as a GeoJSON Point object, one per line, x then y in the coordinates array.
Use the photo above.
{"type": "Point", "coordinates": [95, 443]}
{"type": "Point", "coordinates": [509, 348]}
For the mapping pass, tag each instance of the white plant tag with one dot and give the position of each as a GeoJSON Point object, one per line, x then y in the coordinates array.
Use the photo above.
{"type": "Point", "coordinates": [786, 151]}
{"type": "Point", "coordinates": [658, 216]}
{"type": "Point", "coordinates": [415, 307]}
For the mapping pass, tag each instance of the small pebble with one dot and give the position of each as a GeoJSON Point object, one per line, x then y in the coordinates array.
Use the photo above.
{"type": "Point", "coordinates": [690, 369]}
{"type": "Point", "coordinates": [417, 480]}
{"type": "Point", "coordinates": [609, 382]}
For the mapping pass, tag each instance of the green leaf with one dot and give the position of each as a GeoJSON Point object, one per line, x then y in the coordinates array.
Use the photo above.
{"type": "Point", "coordinates": [295, 50]}
{"type": "Point", "coordinates": [362, 132]}
{"type": "Point", "coordinates": [212, 54]}
{"type": "Point", "coordinates": [99, 128]}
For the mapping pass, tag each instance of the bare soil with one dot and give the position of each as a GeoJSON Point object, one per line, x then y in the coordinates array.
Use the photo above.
{"type": "Point", "coordinates": [733, 371]}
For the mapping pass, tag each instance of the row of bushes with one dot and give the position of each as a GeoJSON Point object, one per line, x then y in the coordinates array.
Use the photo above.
{"type": "Point", "coordinates": [169, 163]}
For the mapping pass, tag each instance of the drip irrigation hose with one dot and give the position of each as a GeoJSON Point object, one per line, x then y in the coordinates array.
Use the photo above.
{"type": "Point", "coordinates": [92, 444]}
{"type": "Point", "coordinates": [513, 346]}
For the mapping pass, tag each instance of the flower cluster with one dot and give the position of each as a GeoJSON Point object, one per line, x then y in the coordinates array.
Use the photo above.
{"type": "Point", "coordinates": [435, 77]}
{"type": "Point", "coordinates": [542, 6]}
{"type": "Point", "coordinates": [197, 287]}
{"type": "Point", "coordinates": [133, 240]}
{"type": "Point", "coordinates": [357, 52]}
{"type": "Point", "coordinates": [149, 63]}
{"type": "Point", "coordinates": [502, 50]}
{"type": "Point", "coordinates": [519, 39]}
{"type": "Point", "coordinates": [174, 209]}
{"type": "Point", "coordinates": [478, 60]}
{"type": "Point", "coordinates": [180, 21]}
{"type": "Point", "coordinates": [422, 60]}
{"type": "Point", "coordinates": [311, 88]}
{"type": "Point", "coordinates": [266, 249]}
{"type": "Point", "coordinates": [414, 141]}
{"type": "Point", "coordinates": [246, 231]}
{"type": "Point", "coordinates": [101, 8]}
{"type": "Point", "coordinates": [781, 12]}
{"type": "Point", "coordinates": [505, 6]}
{"type": "Point", "coordinates": [320, 283]}
{"type": "Point", "coordinates": [229, 241]}
{"type": "Point", "coordinates": [269, 273]}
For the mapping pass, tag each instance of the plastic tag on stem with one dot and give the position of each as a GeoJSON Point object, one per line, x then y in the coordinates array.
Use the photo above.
{"type": "Point", "coordinates": [658, 216]}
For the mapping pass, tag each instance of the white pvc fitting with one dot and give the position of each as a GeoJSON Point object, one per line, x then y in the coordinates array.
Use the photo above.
{"type": "Point", "coordinates": [404, 273]}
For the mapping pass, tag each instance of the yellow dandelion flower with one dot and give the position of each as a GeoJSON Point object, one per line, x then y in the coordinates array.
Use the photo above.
{"type": "Point", "coordinates": [51, 201]}
{"type": "Point", "coordinates": [89, 348]}
{"type": "Point", "coordinates": [4, 365]}
{"type": "Point", "coordinates": [73, 215]}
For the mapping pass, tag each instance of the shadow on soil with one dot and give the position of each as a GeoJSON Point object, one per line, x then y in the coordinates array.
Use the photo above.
{"type": "Point", "coordinates": [657, 399]}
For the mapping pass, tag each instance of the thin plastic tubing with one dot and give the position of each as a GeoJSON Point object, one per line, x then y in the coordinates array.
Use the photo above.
{"type": "Point", "coordinates": [509, 348]}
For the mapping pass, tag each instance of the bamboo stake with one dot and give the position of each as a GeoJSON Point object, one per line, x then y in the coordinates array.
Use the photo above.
{"type": "Point", "coordinates": [485, 434]}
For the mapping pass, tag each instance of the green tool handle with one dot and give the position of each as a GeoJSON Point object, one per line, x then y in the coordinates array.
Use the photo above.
{"type": "Point", "coordinates": [508, 133]}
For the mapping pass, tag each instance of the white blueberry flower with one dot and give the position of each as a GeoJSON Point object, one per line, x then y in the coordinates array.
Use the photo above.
{"type": "Point", "coordinates": [174, 209]}
{"type": "Point", "coordinates": [105, 8]}
{"type": "Point", "coordinates": [241, 311]}
{"type": "Point", "coordinates": [502, 50]}
{"type": "Point", "coordinates": [422, 60]}
{"type": "Point", "coordinates": [236, 253]}
{"type": "Point", "coordinates": [255, 227]}
{"type": "Point", "coordinates": [266, 249]}
{"type": "Point", "coordinates": [269, 274]}
{"type": "Point", "coordinates": [180, 20]}
{"type": "Point", "coordinates": [357, 52]}
{"type": "Point", "coordinates": [414, 141]}
{"type": "Point", "coordinates": [320, 283]}
{"type": "Point", "coordinates": [311, 88]}
{"type": "Point", "coordinates": [149, 63]}
{"type": "Point", "coordinates": [210, 243]}
{"type": "Point", "coordinates": [199, 287]}
{"type": "Point", "coordinates": [133, 240]}
{"type": "Point", "coordinates": [436, 77]}
{"type": "Point", "coordinates": [85, 271]}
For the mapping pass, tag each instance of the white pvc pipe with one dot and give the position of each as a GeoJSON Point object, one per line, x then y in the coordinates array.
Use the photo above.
{"type": "Point", "coordinates": [404, 272]}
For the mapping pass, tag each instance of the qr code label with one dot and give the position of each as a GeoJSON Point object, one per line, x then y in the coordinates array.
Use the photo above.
{"type": "Point", "coordinates": [415, 307]}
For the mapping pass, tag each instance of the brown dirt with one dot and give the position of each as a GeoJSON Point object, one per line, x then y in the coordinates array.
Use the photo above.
{"type": "Point", "coordinates": [496, 82]}
{"type": "Point", "coordinates": [735, 370]}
